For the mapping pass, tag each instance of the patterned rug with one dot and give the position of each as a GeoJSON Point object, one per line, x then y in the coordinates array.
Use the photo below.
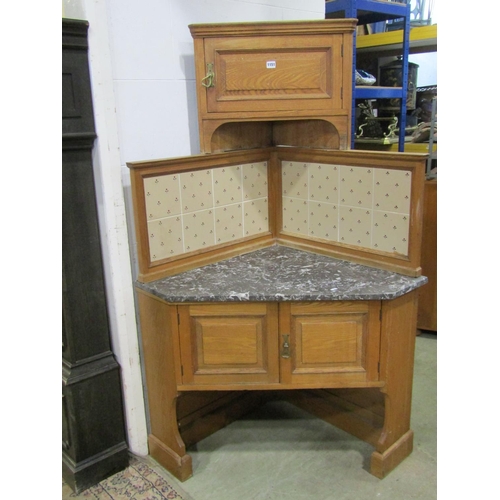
{"type": "Point", "coordinates": [143, 479]}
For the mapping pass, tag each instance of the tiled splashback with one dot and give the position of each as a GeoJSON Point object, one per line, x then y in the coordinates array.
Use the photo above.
{"type": "Point", "coordinates": [359, 206]}
{"type": "Point", "coordinates": [366, 207]}
{"type": "Point", "coordinates": [194, 210]}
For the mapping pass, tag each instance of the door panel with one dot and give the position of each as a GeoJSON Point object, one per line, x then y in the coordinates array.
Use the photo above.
{"type": "Point", "coordinates": [229, 343]}
{"type": "Point", "coordinates": [275, 74]}
{"type": "Point", "coordinates": [336, 342]}
{"type": "Point", "coordinates": [330, 342]}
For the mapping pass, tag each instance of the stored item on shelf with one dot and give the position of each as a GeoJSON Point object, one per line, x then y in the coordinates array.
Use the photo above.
{"type": "Point", "coordinates": [391, 75]}
{"type": "Point", "coordinates": [364, 78]}
{"type": "Point", "coordinates": [376, 128]}
{"type": "Point", "coordinates": [425, 95]}
{"type": "Point", "coordinates": [373, 127]}
{"type": "Point", "coordinates": [423, 132]}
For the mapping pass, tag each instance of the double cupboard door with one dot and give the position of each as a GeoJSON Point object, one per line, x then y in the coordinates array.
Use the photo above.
{"type": "Point", "coordinates": [279, 345]}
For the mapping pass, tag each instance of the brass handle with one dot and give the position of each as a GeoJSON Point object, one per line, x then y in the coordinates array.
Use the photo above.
{"type": "Point", "coordinates": [285, 349]}
{"type": "Point", "coordinates": [209, 79]}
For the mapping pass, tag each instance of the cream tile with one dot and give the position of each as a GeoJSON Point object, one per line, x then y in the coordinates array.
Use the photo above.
{"type": "Point", "coordinates": [295, 216]}
{"type": "Point", "coordinates": [199, 230]}
{"type": "Point", "coordinates": [356, 187]}
{"type": "Point", "coordinates": [255, 181]}
{"type": "Point", "coordinates": [227, 185]}
{"type": "Point", "coordinates": [228, 223]}
{"type": "Point", "coordinates": [256, 217]}
{"type": "Point", "coordinates": [162, 196]}
{"type": "Point", "coordinates": [294, 179]}
{"type": "Point", "coordinates": [392, 190]}
{"type": "Point", "coordinates": [324, 182]}
{"type": "Point", "coordinates": [355, 226]}
{"type": "Point", "coordinates": [196, 191]}
{"type": "Point", "coordinates": [323, 221]}
{"type": "Point", "coordinates": [390, 232]}
{"type": "Point", "coordinates": [165, 238]}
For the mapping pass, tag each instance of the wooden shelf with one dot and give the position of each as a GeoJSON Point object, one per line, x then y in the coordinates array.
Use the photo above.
{"type": "Point", "coordinates": [422, 39]}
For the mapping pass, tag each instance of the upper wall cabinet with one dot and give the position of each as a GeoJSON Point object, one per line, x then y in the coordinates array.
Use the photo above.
{"type": "Point", "coordinates": [256, 74]}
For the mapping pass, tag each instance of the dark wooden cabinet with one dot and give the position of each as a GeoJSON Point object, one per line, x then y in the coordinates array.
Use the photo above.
{"type": "Point", "coordinates": [93, 427]}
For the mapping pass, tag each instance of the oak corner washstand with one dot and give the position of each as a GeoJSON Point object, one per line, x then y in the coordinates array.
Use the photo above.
{"type": "Point", "coordinates": [279, 264]}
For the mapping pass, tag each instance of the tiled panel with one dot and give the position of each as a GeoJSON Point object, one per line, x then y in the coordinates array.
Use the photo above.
{"type": "Point", "coordinates": [228, 223]}
{"type": "Point", "coordinates": [355, 226]}
{"type": "Point", "coordinates": [197, 191]}
{"type": "Point", "coordinates": [390, 232]}
{"type": "Point", "coordinates": [360, 206]}
{"type": "Point", "coordinates": [323, 183]}
{"type": "Point", "coordinates": [295, 180]}
{"type": "Point", "coordinates": [163, 197]}
{"type": "Point", "coordinates": [356, 186]}
{"type": "Point", "coordinates": [323, 220]}
{"type": "Point", "coordinates": [256, 217]}
{"type": "Point", "coordinates": [199, 230]}
{"type": "Point", "coordinates": [392, 190]}
{"type": "Point", "coordinates": [227, 185]}
{"type": "Point", "coordinates": [195, 210]}
{"type": "Point", "coordinates": [296, 216]}
{"type": "Point", "coordinates": [254, 181]}
{"type": "Point", "coordinates": [165, 237]}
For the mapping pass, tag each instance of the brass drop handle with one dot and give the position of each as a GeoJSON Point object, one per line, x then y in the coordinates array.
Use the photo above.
{"type": "Point", "coordinates": [208, 81]}
{"type": "Point", "coordinates": [285, 348]}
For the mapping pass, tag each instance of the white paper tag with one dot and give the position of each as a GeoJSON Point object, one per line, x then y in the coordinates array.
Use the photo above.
{"type": "Point", "coordinates": [270, 64]}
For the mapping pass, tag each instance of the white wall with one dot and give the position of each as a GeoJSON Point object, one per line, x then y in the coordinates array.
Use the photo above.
{"type": "Point", "coordinates": [144, 94]}
{"type": "Point", "coordinates": [153, 66]}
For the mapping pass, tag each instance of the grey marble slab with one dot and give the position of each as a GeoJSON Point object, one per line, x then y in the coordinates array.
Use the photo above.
{"type": "Point", "coordinates": [279, 273]}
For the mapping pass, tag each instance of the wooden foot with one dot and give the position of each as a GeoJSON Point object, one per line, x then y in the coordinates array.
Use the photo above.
{"type": "Point", "coordinates": [180, 466]}
{"type": "Point", "coordinates": [383, 463]}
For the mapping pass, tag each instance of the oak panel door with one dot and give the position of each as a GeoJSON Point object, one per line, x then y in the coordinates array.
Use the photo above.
{"type": "Point", "coordinates": [275, 73]}
{"type": "Point", "coordinates": [330, 343]}
{"type": "Point", "coordinates": [229, 343]}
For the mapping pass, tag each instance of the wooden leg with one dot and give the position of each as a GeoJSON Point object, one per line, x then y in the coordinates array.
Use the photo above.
{"type": "Point", "coordinates": [158, 322]}
{"type": "Point", "coordinates": [399, 320]}
{"type": "Point", "coordinates": [169, 449]}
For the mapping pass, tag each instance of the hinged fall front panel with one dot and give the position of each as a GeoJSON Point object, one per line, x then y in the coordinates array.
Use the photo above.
{"type": "Point", "coordinates": [274, 73]}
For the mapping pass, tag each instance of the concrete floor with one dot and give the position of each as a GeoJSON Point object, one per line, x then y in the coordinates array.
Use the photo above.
{"type": "Point", "coordinates": [281, 452]}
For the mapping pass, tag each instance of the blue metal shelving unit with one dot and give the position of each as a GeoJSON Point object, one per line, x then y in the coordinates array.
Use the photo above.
{"type": "Point", "coordinates": [368, 12]}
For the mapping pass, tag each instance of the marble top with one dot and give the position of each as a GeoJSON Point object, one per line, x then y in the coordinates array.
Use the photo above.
{"type": "Point", "coordinates": [279, 273]}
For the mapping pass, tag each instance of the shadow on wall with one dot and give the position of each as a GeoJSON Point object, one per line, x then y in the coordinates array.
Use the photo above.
{"type": "Point", "coordinates": [187, 61]}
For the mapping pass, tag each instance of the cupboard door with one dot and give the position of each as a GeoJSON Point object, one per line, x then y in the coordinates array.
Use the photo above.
{"type": "Point", "coordinates": [272, 73]}
{"type": "Point", "coordinates": [330, 344]}
{"type": "Point", "coordinates": [229, 343]}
